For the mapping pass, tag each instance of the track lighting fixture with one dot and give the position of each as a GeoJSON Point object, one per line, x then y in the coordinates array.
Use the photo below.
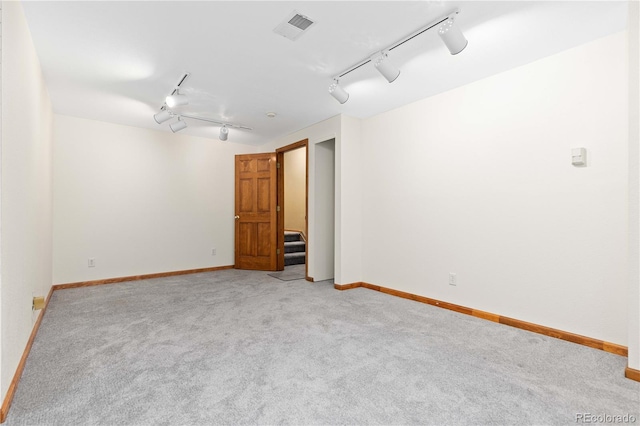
{"type": "Point", "coordinates": [178, 125]}
{"type": "Point", "coordinates": [448, 31]}
{"type": "Point", "coordinates": [181, 124]}
{"type": "Point", "coordinates": [224, 133]}
{"type": "Point", "coordinates": [384, 67]}
{"type": "Point", "coordinates": [162, 116]}
{"type": "Point", "coordinates": [338, 92]}
{"type": "Point", "coordinates": [176, 100]}
{"type": "Point", "coordinates": [452, 37]}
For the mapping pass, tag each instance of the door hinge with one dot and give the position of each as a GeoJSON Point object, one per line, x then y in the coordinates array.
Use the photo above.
{"type": "Point", "coordinates": [277, 165]}
{"type": "Point", "coordinates": [277, 251]}
{"type": "Point", "coordinates": [277, 208]}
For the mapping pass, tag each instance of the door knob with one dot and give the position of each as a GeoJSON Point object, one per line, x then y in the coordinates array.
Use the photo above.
{"type": "Point", "coordinates": [237, 217]}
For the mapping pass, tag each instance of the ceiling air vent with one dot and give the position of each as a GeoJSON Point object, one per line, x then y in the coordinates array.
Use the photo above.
{"type": "Point", "coordinates": [294, 26]}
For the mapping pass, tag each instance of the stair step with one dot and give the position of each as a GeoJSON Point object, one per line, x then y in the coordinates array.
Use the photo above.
{"type": "Point", "coordinates": [294, 246]}
{"type": "Point", "coordinates": [297, 258]}
{"type": "Point", "coordinates": [292, 236]}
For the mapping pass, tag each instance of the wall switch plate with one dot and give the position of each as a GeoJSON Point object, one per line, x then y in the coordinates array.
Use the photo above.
{"type": "Point", "coordinates": [453, 279]}
{"type": "Point", "coordinates": [92, 262]}
{"type": "Point", "coordinates": [579, 157]}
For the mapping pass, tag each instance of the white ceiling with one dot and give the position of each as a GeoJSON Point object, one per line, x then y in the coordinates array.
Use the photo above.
{"type": "Point", "coordinates": [116, 61]}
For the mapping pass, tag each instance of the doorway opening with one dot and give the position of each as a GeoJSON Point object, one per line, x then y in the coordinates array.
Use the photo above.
{"type": "Point", "coordinates": [324, 195]}
{"type": "Point", "coordinates": [293, 185]}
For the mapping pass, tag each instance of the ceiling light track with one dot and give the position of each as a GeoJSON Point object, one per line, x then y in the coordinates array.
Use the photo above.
{"type": "Point", "coordinates": [450, 34]}
{"type": "Point", "coordinates": [180, 83]}
{"type": "Point", "coordinates": [417, 33]}
{"type": "Point", "coordinates": [176, 99]}
{"type": "Point", "coordinates": [165, 115]}
{"type": "Point", "coordinates": [221, 123]}
{"type": "Point", "coordinates": [399, 42]}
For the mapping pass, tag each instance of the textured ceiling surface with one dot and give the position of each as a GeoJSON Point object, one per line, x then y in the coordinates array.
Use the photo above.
{"type": "Point", "coordinates": [116, 61]}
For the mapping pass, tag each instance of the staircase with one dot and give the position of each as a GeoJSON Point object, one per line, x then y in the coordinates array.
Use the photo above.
{"type": "Point", "coordinates": [294, 248]}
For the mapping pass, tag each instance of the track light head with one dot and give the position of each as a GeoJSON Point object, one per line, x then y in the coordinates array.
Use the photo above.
{"type": "Point", "coordinates": [224, 133]}
{"type": "Point", "coordinates": [452, 37]}
{"type": "Point", "coordinates": [176, 100]}
{"type": "Point", "coordinates": [162, 116]}
{"type": "Point", "coordinates": [338, 92]}
{"type": "Point", "coordinates": [385, 68]}
{"type": "Point", "coordinates": [178, 125]}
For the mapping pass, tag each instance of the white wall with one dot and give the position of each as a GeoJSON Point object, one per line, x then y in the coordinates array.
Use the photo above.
{"type": "Point", "coordinates": [139, 201]}
{"type": "Point", "coordinates": [349, 209]}
{"type": "Point", "coordinates": [25, 216]}
{"type": "Point", "coordinates": [478, 181]}
{"type": "Point", "coordinates": [2, 392]}
{"type": "Point", "coordinates": [634, 184]}
{"type": "Point", "coordinates": [295, 188]}
{"type": "Point", "coordinates": [324, 217]}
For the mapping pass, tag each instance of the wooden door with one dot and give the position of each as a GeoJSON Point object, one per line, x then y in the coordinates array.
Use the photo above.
{"type": "Point", "coordinates": [256, 220]}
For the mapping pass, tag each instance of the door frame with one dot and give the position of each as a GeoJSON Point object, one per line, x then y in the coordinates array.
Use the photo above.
{"type": "Point", "coordinates": [280, 201]}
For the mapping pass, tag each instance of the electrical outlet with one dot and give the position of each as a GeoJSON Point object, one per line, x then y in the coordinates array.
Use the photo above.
{"type": "Point", "coordinates": [453, 278]}
{"type": "Point", "coordinates": [92, 262]}
{"type": "Point", "coordinates": [38, 303]}
{"type": "Point", "coordinates": [213, 252]}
